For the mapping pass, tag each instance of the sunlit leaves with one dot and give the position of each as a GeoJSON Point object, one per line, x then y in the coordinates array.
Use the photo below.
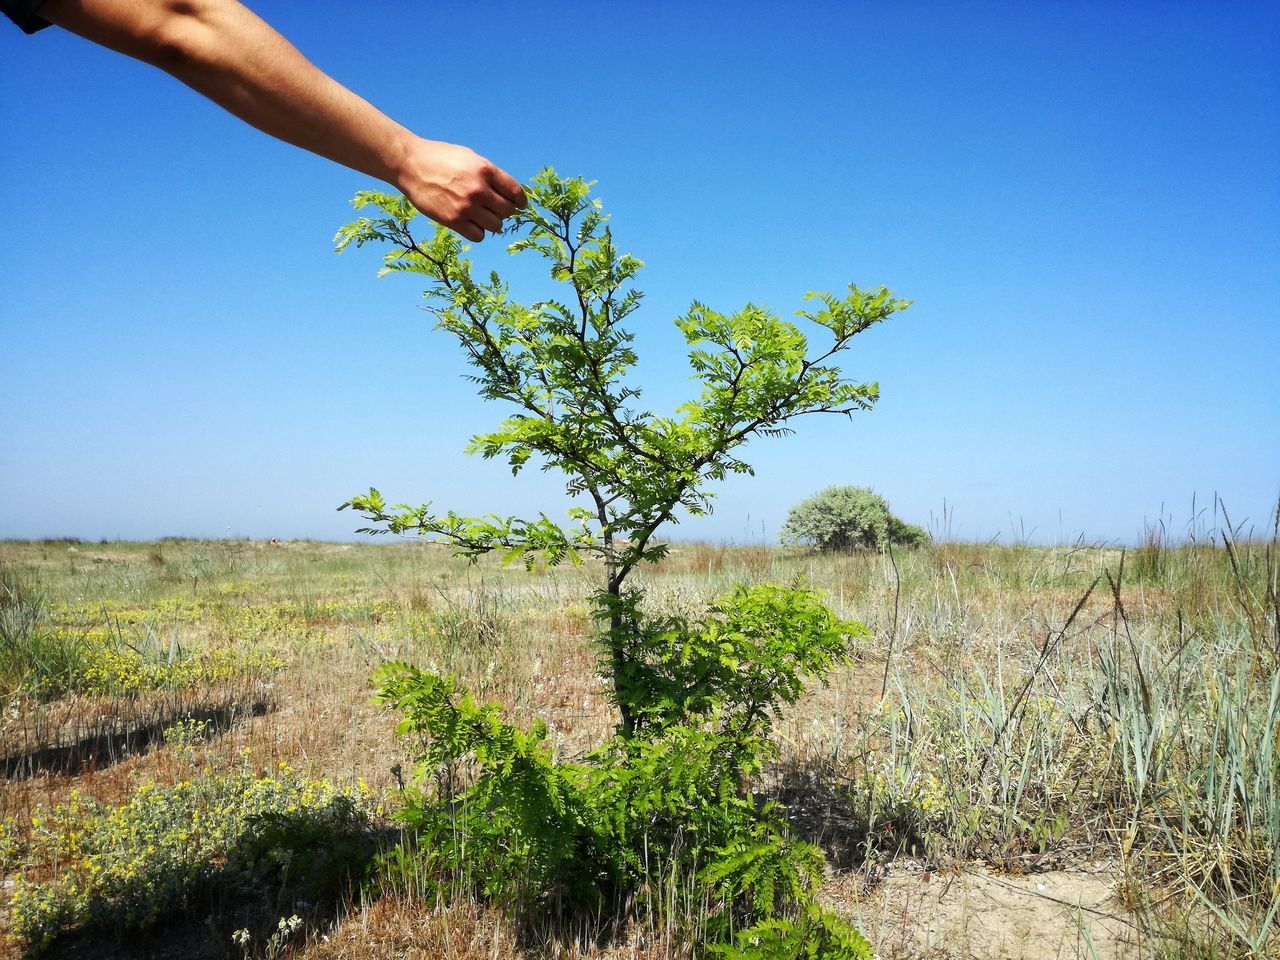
{"type": "Point", "coordinates": [854, 313]}
{"type": "Point", "coordinates": [754, 652]}
{"type": "Point", "coordinates": [526, 540]}
{"type": "Point", "coordinates": [491, 805]}
{"type": "Point", "coordinates": [565, 363]}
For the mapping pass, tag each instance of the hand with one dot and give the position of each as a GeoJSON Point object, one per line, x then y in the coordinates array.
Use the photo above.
{"type": "Point", "coordinates": [459, 188]}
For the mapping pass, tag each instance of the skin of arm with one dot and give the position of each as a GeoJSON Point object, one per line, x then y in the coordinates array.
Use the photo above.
{"type": "Point", "coordinates": [230, 55]}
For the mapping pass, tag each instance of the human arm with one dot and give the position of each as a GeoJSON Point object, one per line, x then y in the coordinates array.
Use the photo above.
{"type": "Point", "coordinates": [226, 52]}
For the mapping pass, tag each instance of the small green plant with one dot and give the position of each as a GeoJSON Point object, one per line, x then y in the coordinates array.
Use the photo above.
{"type": "Point", "coordinates": [185, 735]}
{"type": "Point", "coordinates": [815, 935]}
{"type": "Point", "coordinates": [564, 365]}
{"type": "Point", "coordinates": [668, 794]}
{"type": "Point", "coordinates": [846, 518]}
{"type": "Point", "coordinates": [34, 658]}
{"type": "Point", "coordinates": [275, 946]}
{"type": "Point", "coordinates": [495, 814]}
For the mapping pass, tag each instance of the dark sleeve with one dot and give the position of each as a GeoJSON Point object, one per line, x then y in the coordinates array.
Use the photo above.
{"type": "Point", "coordinates": [23, 13]}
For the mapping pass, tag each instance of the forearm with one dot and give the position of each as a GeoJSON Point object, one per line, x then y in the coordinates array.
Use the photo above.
{"type": "Point", "coordinates": [229, 54]}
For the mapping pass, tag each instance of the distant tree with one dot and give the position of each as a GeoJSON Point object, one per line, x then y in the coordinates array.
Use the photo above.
{"type": "Point", "coordinates": [846, 518]}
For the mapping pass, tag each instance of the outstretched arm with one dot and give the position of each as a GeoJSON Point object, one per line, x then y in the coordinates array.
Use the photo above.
{"type": "Point", "coordinates": [227, 53]}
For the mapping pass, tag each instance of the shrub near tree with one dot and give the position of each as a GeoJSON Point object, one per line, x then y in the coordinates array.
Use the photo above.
{"type": "Point", "coordinates": [664, 805]}
{"type": "Point", "coordinates": [848, 518]}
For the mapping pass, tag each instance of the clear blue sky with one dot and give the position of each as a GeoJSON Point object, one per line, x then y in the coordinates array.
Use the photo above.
{"type": "Point", "coordinates": [1082, 199]}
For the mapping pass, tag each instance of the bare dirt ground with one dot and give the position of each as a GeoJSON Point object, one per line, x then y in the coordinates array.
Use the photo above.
{"type": "Point", "coordinates": [976, 914]}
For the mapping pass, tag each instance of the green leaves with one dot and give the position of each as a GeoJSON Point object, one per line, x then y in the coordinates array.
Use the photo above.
{"type": "Point", "coordinates": [755, 651]}
{"type": "Point", "coordinates": [386, 229]}
{"type": "Point", "coordinates": [563, 363]}
{"type": "Point", "coordinates": [667, 795]}
{"type": "Point", "coordinates": [845, 518]}
{"type": "Point", "coordinates": [816, 934]}
{"type": "Point", "coordinates": [853, 314]}
{"type": "Point", "coordinates": [526, 540]}
{"type": "Point", "coordinates": [521, 826]}
{"type": "Point", "coordinates": [763, 864]}
{"type": "Point", "coordinates": [493, 808]}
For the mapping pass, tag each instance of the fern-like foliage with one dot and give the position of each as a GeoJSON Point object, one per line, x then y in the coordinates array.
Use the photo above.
{"type": "Point", "coordinates": [494, 813]}
{"type": "Point", "coordinates": [522, 828]}
{"type": "Point", "coordinates": [752, 654]}
{"type": "Point", "coordinates": [817, 934]}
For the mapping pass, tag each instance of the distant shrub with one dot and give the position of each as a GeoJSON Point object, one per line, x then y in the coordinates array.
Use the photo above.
{"type": "Point", "coordinates": [908, 534]}
{"type": "Point", "coordinates": [846, 518]}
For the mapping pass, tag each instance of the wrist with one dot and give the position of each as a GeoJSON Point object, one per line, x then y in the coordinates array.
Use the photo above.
{"type": "Point", "coordinates": [405, 156]}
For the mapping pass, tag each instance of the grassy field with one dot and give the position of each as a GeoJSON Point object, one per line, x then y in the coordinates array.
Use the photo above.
{"type": "Point", "coordinates": [1038, 752]}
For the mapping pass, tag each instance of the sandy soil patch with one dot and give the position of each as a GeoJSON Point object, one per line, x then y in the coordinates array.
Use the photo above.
{"type": "Point", "coordinates": [975, 914]}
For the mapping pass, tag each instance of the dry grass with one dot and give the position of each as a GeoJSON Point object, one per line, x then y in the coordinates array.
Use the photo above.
{"type": "Point", "coordinates": [1110, 745]}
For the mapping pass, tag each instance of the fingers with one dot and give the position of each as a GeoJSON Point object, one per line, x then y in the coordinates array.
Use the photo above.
{"type": "Point", "coordinates": [486, 218]}
{"type": "Point", "coordinates": [495, 204]}
{"type": "Point", "coordinates": [507, 187]}
{"type": "Point", "coordinates": [475, 221]}
{"type": "Point", "coordinates": [467, 229]}
{"type": "Point", "coordinates": [502, 195]}
{"type": "Point", "coordinates": [488, 204]}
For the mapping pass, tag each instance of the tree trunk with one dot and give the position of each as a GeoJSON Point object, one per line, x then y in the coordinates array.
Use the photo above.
{"type": "Point", "coordinates": [616, 639]}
